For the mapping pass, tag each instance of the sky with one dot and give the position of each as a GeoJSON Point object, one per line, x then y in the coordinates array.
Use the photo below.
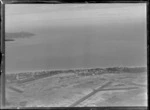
{"type": "Point", "coordinates": [76, 35]}
{"type": "Point", "coordinates": [74, 14]}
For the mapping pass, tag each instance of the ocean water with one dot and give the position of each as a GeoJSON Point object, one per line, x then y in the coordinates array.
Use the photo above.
{"type": "Point", "coordinates": [78, 47]}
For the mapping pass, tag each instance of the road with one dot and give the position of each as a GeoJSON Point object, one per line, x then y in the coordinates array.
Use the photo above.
{"type": "Point", "coordinates": [102, 88]}
{"type": "Point", "coordinates": [90, 94]}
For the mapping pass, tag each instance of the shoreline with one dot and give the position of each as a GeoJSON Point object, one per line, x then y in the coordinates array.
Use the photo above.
{"type": "Point", "coordinates": [46, 70]}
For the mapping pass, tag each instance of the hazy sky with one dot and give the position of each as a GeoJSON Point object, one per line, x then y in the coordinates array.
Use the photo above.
{"type": "Point", "coordinates": [76, 35]}
{"type": "Point", "coordinates": [30, 16]}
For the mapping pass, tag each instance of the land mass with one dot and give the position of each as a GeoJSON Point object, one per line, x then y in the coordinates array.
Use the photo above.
{"type": "Point", "coordinates": [114, 86]}
{"type": "Point", "coordinates": [13, 36]}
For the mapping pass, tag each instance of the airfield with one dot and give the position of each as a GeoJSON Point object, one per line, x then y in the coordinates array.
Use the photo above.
{"type": "Point", "coordinates": [78, 88]}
